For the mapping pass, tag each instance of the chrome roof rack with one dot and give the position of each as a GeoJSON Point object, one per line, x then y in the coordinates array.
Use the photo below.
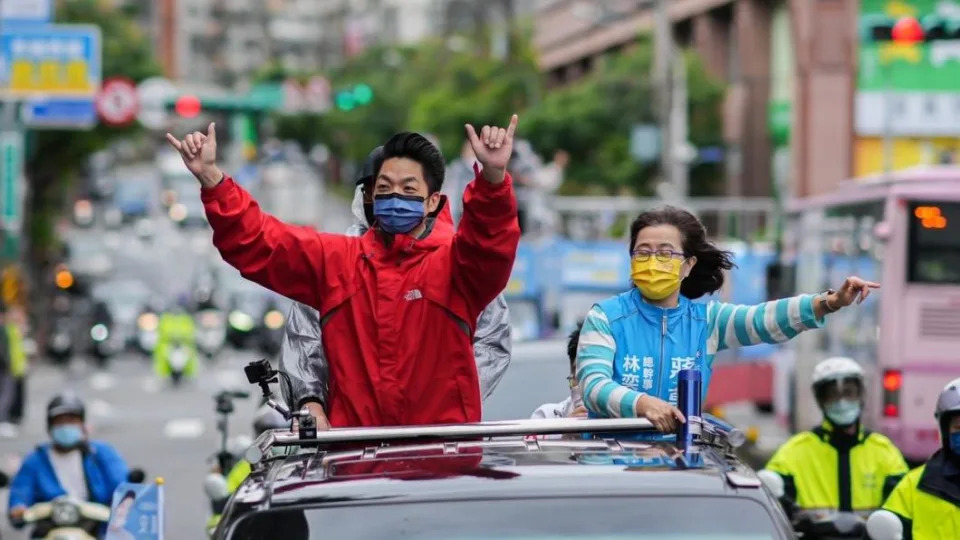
{"type": "Point", "coordinates": [707, 430]}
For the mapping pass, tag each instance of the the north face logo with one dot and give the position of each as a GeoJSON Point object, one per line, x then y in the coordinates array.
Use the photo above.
{"type": "Point", "coordinates": [412, 294]}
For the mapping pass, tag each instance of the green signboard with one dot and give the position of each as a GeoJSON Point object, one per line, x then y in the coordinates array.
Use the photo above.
{"type": "Point", "coordinates": [11, 176]}
{"type": "Point", "coordinates": [923, 67]}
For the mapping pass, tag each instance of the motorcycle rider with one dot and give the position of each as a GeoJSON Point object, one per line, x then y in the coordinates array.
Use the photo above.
{"type": "Point", "coordinates": [176, 326]}
{"type": "Point", "coordinates": [72, 465]}
{"type": "Point", "coordinates": [927, 500]}
{"type": "Point", "coordinates": [838, 466]}
{"type": "Point", "coordinates": [302, 356]}
{"type": "Point", "coordinates": [266, 418]}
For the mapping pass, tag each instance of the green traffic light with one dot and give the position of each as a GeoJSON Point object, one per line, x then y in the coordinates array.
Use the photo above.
{"type": "Point", "coordinates": [345, 101]}
{"type": "Point", "coordinates": [362, 94]}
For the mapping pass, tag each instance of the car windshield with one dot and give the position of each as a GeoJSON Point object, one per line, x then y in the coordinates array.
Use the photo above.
{"type": "Point", "coordinates": [124, 298]}
{"type": "Point", "coordinates": [132, 190]}
{"type": "Point", "coordinates": [621, 518]}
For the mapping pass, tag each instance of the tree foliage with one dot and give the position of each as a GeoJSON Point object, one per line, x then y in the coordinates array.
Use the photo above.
{"type": "Point", "coordinates": [435, 88]}
{"type": "Point", "coordinates": [592, 119]}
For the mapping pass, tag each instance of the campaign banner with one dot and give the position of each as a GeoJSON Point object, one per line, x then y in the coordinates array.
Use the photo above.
{"type": "Point", "coordinates": [136, 512]}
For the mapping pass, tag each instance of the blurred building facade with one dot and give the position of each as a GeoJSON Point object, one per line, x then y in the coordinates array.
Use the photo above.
{"type": "Point", "coordinates": [789, 65]}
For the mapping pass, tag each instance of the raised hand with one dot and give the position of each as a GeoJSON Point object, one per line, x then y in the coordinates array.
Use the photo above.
{"type": "Point", "coordinates": [493, 148]}
{"type": "Point", "coordinates": [853, 289]}
{"type": "Point", "coordinates": [199, 153]}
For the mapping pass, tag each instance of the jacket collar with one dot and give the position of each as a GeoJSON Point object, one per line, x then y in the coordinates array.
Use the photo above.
{"type": "Point", "coordinates": [656, 313]}
{"type": "Point", "coordinates": [840, 439]}
{"type": "Point", "coordinates": [940, 478]}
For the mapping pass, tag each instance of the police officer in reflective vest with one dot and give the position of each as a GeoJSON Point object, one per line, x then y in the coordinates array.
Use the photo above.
{"type": "Point", "coordinates": [837, 466]}
{"type": "Point", "coordinates": [927, 500]}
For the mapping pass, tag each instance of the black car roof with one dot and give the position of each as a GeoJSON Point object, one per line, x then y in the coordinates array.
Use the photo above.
{"type": "Point", "coordinates": [515, 467]}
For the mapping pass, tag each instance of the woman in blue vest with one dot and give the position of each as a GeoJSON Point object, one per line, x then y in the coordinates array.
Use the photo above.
{"type": "Point", "coordinates": [633, 345]}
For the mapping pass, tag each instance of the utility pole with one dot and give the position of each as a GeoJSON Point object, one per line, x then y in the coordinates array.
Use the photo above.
{"type": "Point", "coordinates": [663, 83]}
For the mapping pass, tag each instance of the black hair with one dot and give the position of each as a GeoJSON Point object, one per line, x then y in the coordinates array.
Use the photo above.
{"type": "Point", "coordinates": [131, 494]}
{"type": "Point", "coordinates": [707, 275]}
{"type": "Point", "coordinates": [418, 148]}
{"type": "Point", "coordinates": [572, 344]}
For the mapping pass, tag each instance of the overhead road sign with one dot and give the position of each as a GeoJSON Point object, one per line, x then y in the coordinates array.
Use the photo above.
{"type": "Point", "coordinates": [61, 60]}
{"type": "Point", "coordinates": [61, 113]}
{"type": "Point", "coordinates": [26, 12]}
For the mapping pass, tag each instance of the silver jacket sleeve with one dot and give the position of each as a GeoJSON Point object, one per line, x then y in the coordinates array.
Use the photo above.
{"type": "Point", "coordinates": [491, 345]}
{"type": "Point", "coordinates": [302, 358]}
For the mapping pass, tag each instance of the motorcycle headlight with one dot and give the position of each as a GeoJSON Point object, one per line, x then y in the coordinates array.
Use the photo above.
{"type": "Point", "coordinates": [273, 319]}
{"type": "Point", "coordinates": [178, 212]}
{"type": "Point", "coordinates": [210, 319]}
{"type": "Point", "coordinates": [147, 322]}
{"type": "Point", "coordinates": [241, 321]}
{"type": "Point", "coordinates": [99, 332]}
{"type": "Point", "coordinates": [64, 513]}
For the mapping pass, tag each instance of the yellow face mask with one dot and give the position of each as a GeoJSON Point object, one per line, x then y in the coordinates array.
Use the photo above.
{"type": "Point", "coordinates": [656, 279]}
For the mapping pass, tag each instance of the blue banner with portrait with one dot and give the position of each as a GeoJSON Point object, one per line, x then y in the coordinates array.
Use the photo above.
{"type": "Point", "coordinates": [136, 512]}
{"type": "Point", "coordinates": [595, 266]}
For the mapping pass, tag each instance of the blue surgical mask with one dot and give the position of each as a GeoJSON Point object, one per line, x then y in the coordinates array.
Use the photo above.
{"type": "Point", "coordinates": [843, 412]}
{"type": "Point", "coordinates": [396, 213]}
{"type": "Point", "coordinates": [67, 435]}
{"type": "Point", "coordinates": [955, 442]}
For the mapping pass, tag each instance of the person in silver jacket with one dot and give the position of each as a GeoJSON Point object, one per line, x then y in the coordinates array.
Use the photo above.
{"type": "Point", "coordinates": [302, 356]}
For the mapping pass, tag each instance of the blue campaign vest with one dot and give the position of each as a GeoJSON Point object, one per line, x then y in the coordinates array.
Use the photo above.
{"type": "Point", "coordinates": [654, 344]}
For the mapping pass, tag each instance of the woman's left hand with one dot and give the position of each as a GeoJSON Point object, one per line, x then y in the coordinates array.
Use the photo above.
{"type": "Point", "coordinates": [853, 289]}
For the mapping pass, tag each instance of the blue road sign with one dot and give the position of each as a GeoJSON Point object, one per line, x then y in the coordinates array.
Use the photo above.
{"type": "Point", "coordinates": [59, 113]}
{"type": "Point", "coordinates": [57, 60]}
{"type": "Point", "coordinates": [16, 12]}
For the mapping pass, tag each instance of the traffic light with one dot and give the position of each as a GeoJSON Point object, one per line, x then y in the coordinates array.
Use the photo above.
{"type": "Point", "coordinates": [354, 96]}
{"type": "Point", "coordinates": [910, 30]}
{"type": "Point", "coordinates": [187, 106]}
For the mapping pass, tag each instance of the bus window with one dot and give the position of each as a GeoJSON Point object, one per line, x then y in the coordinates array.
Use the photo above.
{"type": "Point", "coordinates": [934, 243]}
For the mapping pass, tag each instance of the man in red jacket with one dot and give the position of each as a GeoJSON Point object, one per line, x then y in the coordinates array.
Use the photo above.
{"type": "Point", "coordinates": [398, 305]}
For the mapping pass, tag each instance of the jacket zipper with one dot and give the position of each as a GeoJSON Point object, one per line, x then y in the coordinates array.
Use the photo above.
{"type": "Point", "coordinates": [663, 336]}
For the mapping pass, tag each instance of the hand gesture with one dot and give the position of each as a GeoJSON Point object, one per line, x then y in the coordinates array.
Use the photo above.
{"type": "Point", "coordinates": [663, 415]}
{"type": "Point", "coordinates": [493, 148]}
{"type": "Point", "coordinates": [853, 288]}
{"type": "Point", "coordinates": [199, 153]}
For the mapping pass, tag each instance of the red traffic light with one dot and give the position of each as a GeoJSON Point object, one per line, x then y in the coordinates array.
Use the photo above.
{"type": "Point", "coordinates": [187, 106]}
{"type": "Point", "coordinates": [907, 30]}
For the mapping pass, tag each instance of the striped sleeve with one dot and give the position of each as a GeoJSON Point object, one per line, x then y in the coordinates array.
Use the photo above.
{"type": "Point", "coordinates": [771, 322]}
{"type": "Point", "coordinates": [602, 395]}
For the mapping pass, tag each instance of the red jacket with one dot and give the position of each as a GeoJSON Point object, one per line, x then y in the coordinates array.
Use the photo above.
{"type": "Point", "coordinates": [397, 321]}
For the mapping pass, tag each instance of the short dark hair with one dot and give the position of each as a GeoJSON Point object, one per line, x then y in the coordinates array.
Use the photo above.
{"type": "Point", "coordinates": [572, 344]}
{"type": "Point", "coordinates": [707, 275]}
{"type": "Point", "coordinates": [418, 148]}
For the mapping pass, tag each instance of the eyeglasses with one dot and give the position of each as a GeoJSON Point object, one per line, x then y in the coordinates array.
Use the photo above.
{"type": "Point", "coordinates": [662, 255]}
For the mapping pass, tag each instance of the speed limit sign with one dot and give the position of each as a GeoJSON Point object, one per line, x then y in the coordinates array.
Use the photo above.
{"type": "Point", "coordinates": [118, 102]}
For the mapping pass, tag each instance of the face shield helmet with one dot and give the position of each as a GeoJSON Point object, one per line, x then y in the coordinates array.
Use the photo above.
{"type": "Point", "coordinates": [838, 388]}
{"type": "Point", "coordinates": [948, 407]}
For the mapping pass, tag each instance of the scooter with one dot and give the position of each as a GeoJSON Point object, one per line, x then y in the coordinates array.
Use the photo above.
{"type": "Point", "coordinates": [211, 332]}
{"type": "Point", "coordinates": [178, 356]}
{"type": "Point", "coordinates": [66, 518]}
{"type": "Point", "coordinates": [104, 345]}
{"type": "Point", "coordinates": [60, 343]}
{"type": "Point", "coordinates": [828, 525]}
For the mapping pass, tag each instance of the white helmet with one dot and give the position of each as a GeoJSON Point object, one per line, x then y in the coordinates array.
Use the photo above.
{"type": "Point", "coordinates": [836, 369]}
{"type": "Point", "coordinates": [949, 400]}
